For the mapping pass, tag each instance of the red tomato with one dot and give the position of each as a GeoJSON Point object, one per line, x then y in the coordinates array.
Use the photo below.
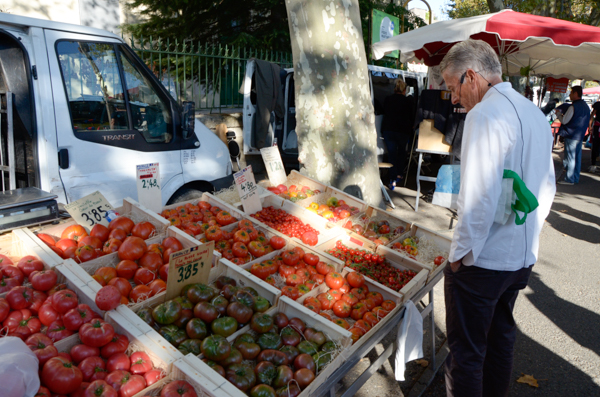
{"type": "Point", "coordinates": [57, 331]}
{"type": "Point", "coordinates": [140, 363]}
{"type": "Point", "coordinates": [20, 298]}
{"type": "Point", "coordinates": [118, 234]}
{"type": "Point", "coordinates": [290, 292]}
{"type": "Point", "coordinates": [64, 300]}
{"type": "Point", "coordinates": [277, 242]}
{"type": "Point", "coordinates": [92, 365]}
{"type": "Point", "coordinates": [144, 276]}
{"type": "Point", "coordinates": [122, 285]}
{"type": "Point", "coordinates": [107, 273]}
{"type": "Point", "coordinates": [122, 222]}
{"type": "Point", "coordinates": [61, 376]}
{"type": "Point", "coordinates": [74, 232]}
{"type": "Point", "coordinates": [240, 249]}
{"type": "Point", "coordinates": [133, 385]}
{"type": "Point", "coordinates": [256, 249]}
{"type": "Point", "coordinates": [111, 245]}
{"type": "Point", "coordinates": [178, 388]}
{"type": "Point", "coordinates": [326, 301]}
{"type": "Point", "coordinates": [100, 231]}
{"type": "Point", "coordinates": [163, 272]}
{"type": "Point", "coordinates": [76, 317]}
{"type": "Point", "coordinates": [151, 261]}
{"type": "Point", "coordinates": [85, 253]}
{"type": "Point", "coordinates": [6, 283]}
{"type": "Point", "coordinates": [224, 218]}
{"type": "Point", "coordinates": [118, 361]}
{"type": "Point", "coordinates": [38, 300]}
{"type": "Point", "coordinates": [30, 263]}
{"type": "Point", "coordinates": [358, 311]}
{"type": "Point", "coordinates": [46, 238]}
{"type": "Point", "coordinates": [172, 242]}
{"type": "Point", "coordinates": [92, 241]}
{"type": "Point", "coordinates": [143, 230]}
{"type": "Point", "coordinates": [355, 279]}
{"type": "Point", "coordinates": [140, 293]}
{"type": "Point", "coordinates": [4, 309]}
{"type": "Point", "coordinates": [290, 257]}
{"type": "Point", "coordinates": [43, 280]}
{"type": "Point", "coordinates": [96, 333]}
{"type": "Point", "coordinates": [334, 280]}
{"type": "Point", "coordinates": [388, 305]}
{"type": "Point", "coordinates": [81, 352]}
{"type": "Point", "coordinates": [118, 344]}
{"type": "Point", "coordinates": [311, 259]}
{"type": "Point", "coordinates": [153, 376]}
{"type": "Point", "coordinates": [43, 392]}
{"type": "Point", "coordinates": [126, 269]}
{"type": "Point", "coordinates": [63, 244]}
{"type": "Point", "coordinates": [325, 268]}
{"type": "Point", "coordinates": [47, 314]}
{"type": "Point", "coordinates": [285, 271]}
{"type": "Point", "coordinates": [99, 388]}
{"type": "Point", "coordinates": [350, 298]}
{"type": "Point", "coordinates": [108, 298]}
{"type": "Point", "coordinates": [43, 351]}
{"type": "Point", "coordinates": [157, 286]}
{"type": "Point", "coordinates": [341, 309]}
{"type": "Point", "coordinates": [133, 248]}
{"type": "Point", "coordinates": [310, 238]}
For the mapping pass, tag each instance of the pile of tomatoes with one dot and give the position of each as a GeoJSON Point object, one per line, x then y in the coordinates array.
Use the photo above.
{"type": "Point", "coordinates": [288, 224]}
{"type": "Point", "coordinates": [294, 272]}
{"type": "Point", "coordinates": [45, 307]}
{"type": "Point", "coordinates": [201, 310]}
{"type": "Point", "coordinates": [98, 366]}
{"type": "Point", "coordinates": [333, 210]}
{"type": "Point", "coordinates": [141, 273]}
{"type": "Point", "coordinates": [350, 300]}
{"type": "Point", "coordinates": [378, 231]}
{"type": "Point", "coordinates": [293, 193]}
{"type": "Point", "coordinates": [12, 275]}
{"type": "Point", "coordinates": [281, 357]}
{"type": "Point", "coordinates": [373, 266]}
{"type": "Point", "coordinates": [76, 243]}
{"type": "Point", "coordinates": [243, 243]}
{"type": "Point", "coordinates": [194, 219]}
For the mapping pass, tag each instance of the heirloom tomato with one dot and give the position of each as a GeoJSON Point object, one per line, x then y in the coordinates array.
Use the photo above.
{"type": "Point", "coordinates": [178, 388]}
{"type": "Point", "coordinates": [92, 368]}
{"type": "Point", "coordinates": [118, 344]}
{"type": "Point", "coordinates": [133, 248]}
{"type": "Point", "coordinates": [96, 333]}
{"type": "Point", "coordinates": [108, 298]}
{"type": "Point", "coordinates": [99, 388]}
{"type": "Point", "coordinates": [61, 375]}
{"type": "Point", "coordinates": [122, 222]}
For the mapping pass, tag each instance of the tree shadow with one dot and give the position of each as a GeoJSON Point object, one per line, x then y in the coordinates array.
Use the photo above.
{"type": "Point", "coordinates": [575, 229]}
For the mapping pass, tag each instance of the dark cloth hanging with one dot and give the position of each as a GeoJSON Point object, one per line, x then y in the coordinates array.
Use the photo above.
{"type": "Point", "coordinates": [268, 99]}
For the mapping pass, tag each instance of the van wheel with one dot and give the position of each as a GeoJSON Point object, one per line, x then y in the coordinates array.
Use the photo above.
{"type": "Point", "coordinates": [185, 194]}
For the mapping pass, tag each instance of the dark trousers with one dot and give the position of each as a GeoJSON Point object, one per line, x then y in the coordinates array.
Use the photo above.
{"type": "Point", "coordinates": [396, 144]}
{"type": "Point", "coordinates": [595, 145]}
{"type": "Point", "coordinates": [481, 329]}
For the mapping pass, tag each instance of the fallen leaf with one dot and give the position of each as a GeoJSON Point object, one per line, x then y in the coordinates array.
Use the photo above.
{"type": "Point", "coordinates": [562, 211]}
{"type": "Point", "coordinates": [529, 379]}
{"type": "Point", "coordinates": [423, 363]}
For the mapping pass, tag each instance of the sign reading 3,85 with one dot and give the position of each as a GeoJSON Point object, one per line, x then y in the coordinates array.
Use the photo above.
{"type": "Point", "coordinates": [90, 210]}
{"type": "Point", "coordinates": [189, 266]}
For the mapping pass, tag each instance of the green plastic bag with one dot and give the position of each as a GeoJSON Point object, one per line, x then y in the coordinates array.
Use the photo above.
{"type": "Point", "coordinates": [526, 201]}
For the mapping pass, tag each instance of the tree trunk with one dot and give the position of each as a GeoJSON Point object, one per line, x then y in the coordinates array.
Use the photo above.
{"type": "Point", "coordinates": [495, 5]}
{"type": "Point", "coordinates": [337, 141]}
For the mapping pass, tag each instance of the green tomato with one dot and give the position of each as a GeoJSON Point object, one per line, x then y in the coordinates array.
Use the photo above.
{"type": "Point", "coordinates": [196, 329]}
{"type": "Point", "coordinates": [173, 335]}
{"type": "Point", "coordinates": [167, 313]}
{"type": "Point", "coordinates": [261, 323]}
{"type": "Point", "coordinates": [190, 346]}
{"type": "Point", "coordinates": [224, 326]}
{"type": "Point", "coordinates": [307, 347]}
{"type": "Point", "coordinates": [216, 348]}
{"type": "Point", "coordinates": [261, 304]}
{"type": "Point", "coordinates": [269, 340]}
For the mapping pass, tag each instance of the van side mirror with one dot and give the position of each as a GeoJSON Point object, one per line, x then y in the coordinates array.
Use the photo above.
{"type": "Point", "coordinates": [187, 119]}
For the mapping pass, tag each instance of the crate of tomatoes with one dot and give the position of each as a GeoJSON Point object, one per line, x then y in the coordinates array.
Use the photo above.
{"type": "Point", "coordinates": [107, 358]}
{"type": "Point", "coordinates": [383, 265]}
{"type": "Point", "coordinates": [69, 240]}
{"type": "Point", "coordinates": [288, 350]}
{"type": "Point", "coordinates": [297, 187]}
{"type": "Point", "coordinates": [295, 269]}
{"type": "Point", "coordinates": [425, 247]}
{"type": "Point", "coordinates": [376, 225]}
{"type": "Point", "coordinates": [222, 307]}
{"type": "Point", "coordinates": [136, 272]}
{"type": "Point", "coordinates": [353, 302]}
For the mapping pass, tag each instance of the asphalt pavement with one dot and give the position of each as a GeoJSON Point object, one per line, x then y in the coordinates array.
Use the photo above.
{"type": "Point", "coordinates": [558, 314]}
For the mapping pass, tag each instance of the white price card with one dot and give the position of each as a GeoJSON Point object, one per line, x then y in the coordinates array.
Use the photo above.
{"type": "Point", "coordinates": [247, 189]}
{"type": "Point", "coordinates": [274, 165]}
{"type": "Point", "coordinates": [90, 210]}
{"type": "Point", "coordinates": [148, 186]}
{"type": "Point", "coordinates": [189, 266]}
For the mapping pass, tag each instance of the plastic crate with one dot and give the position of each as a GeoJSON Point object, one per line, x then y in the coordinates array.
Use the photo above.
{"type": "Point", "coordinates": [441, 242]}
{"type": "Point", "coordinates": [130, 208]}
{"type": "Point", "coordinates": [341, 336]}
{"type": "Point", "coordinates": [85, 270]}
{"type": "Point", "coordinates": [182, 370]}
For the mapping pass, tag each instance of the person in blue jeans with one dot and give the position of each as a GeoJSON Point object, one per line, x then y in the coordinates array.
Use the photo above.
{"type": "Point", "coordinates": [397, 129]}
{"type": "Point", "coordinates": [574, 124]}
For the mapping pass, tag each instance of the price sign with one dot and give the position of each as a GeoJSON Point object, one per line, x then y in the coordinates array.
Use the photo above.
{"type": "Point", "coordinates": [247, 189]}
{"type": "Point", "coordinates": [90, 210]}
{"type": "Point", "coordinates": [148, 186]}
{"type": "Point", "coordinates": [274, 165]}
{"type": "Point", "coordinates": [189, 266]}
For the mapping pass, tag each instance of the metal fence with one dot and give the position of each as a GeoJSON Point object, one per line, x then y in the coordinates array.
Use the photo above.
{"type": "Point", "coordinates": [211, 76]}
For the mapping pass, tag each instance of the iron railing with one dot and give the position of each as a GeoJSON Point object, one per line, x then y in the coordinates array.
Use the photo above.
{"type": "Point", "coordinates": [211, 76]}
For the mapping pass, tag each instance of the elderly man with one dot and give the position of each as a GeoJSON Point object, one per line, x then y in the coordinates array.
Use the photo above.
{"type": "Point", "coordinates": [490, 260]}
{"type": "Point", "coordinates": [574, 124]}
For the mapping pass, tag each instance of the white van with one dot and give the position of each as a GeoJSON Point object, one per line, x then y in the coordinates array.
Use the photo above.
{"type": "Point", "coordinates": [284, 130]}
{"type": "Point", "coordinates": [87, 110]}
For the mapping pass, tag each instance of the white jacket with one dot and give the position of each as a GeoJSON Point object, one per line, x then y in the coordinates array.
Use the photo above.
{"type": "Point", "coordinates": [494, 140]}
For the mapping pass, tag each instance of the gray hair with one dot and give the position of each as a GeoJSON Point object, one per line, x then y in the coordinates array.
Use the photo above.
{"type": "Point", "coordinates": [472, 54]}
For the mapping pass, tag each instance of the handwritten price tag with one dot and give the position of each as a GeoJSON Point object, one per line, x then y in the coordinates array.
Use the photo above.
{"type": "Point", "coordinates": [274, 165]}
{"type": "Point", "coordinates": [148, 186]}
{"type": "Point", "coordinates": [189, 266]}
{"type": "Point", "coordinates": [247, 189]}
{"type": "Point", "coordinates": [90, 210]}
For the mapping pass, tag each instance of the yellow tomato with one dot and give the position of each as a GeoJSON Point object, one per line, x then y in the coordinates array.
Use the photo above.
{"type": "Point", "coordinates": [311, 209]}
{"type": "Point", "coordinates": [314, 206]}
{"type": "Point", "coordinates": [327, 214]}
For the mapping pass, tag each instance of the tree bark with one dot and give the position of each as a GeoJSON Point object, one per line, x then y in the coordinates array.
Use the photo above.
{"type": "Point", "coordinates": [495, 5]}
{"type": "Point", "coordinates": [337, 141]}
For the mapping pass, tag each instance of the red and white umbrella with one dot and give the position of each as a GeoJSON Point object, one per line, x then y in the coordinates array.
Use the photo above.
{"type": "Point", "coordinates": [549, 46]}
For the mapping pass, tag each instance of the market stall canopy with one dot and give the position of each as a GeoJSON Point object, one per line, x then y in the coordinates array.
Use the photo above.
{"type": "Point", "coordinates": [591, 91]}
{"type": "Point", "coordinates": [551, 47]}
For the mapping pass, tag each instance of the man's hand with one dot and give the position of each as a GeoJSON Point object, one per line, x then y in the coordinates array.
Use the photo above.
{"type": "Point", "coordinates": [455, 265]}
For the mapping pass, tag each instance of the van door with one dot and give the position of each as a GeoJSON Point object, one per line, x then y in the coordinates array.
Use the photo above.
{"type": "Point", "coordinates": [111, 115]}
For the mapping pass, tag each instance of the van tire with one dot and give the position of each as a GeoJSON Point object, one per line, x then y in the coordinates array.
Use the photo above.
{"type": "Point", "coordinates": [185, 194]}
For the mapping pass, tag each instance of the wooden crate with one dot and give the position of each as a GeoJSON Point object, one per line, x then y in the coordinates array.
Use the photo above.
{"type": "Point", "coordinates": [399, 262]}
{"type": "Point", "coordinates": [182, 370]}
{"type": "Point", "coordinates": [130, 208]}
{"type": "Point", "coordinates": [435, 239]}
{"type": "Point", "coordinates": [353, 241]}
{"type": "Point", "coordinates": [334, 333]}
{"type": "Point", "coordinates": [212, 200]}
{"type": "Point", "coordinates": [85, 270]}
{"type": "Point", "coordinates": [329, 192]}
{"type": "Point", "coordinates": [376, 215]}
